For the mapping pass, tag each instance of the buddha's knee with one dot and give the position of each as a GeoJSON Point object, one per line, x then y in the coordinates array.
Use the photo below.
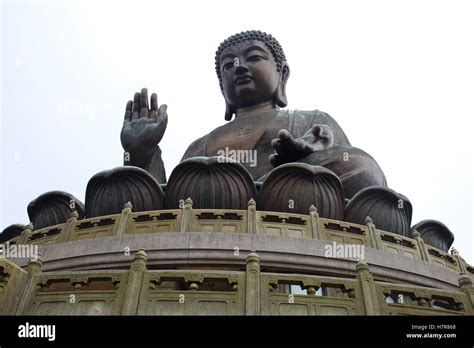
{"type": "Point", "coordinates": [356, 169]}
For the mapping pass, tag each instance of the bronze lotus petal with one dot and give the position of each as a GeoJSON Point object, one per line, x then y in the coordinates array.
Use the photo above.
{"type": "Point", "coordinates": [211, 183]}
{"type": "Point", "coordinates": [389, 210]}
{"type": "Point", "coordinates": [294, 187]}
{"type": "Point", "coordinates": [108, 191]}
{"type": "Point", "coordinates": [435, 233]}
{"type": "Point", "coordinates": [53, 208]}
{"type": "Point", "coordinates": [11, 232]}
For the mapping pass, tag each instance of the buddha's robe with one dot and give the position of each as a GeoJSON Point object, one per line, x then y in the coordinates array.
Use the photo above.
{"type": "Point", "coordinates": [355, 168]}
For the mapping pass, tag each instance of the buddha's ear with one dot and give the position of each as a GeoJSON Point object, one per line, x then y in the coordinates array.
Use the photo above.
{"type": "Point", "coordinates": [228, 112]}
{"type": "Point", "coordinates": [280, 97]}
{"type": "Point", "coordinates": [228, 109]}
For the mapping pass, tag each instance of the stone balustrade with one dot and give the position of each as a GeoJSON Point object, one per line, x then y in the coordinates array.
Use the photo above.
{"type": "Point", "coordinates": [249, 221]}
{"type": "Point", "coordinates": [249, 291]}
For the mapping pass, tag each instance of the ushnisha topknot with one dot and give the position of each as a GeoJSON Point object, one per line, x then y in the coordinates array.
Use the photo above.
{"type": "Point", "coordinates": [269, 41]}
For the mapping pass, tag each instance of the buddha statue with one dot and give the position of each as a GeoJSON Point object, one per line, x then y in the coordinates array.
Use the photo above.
{"type": "Point", "coordinates": [252, 72]}
{"type": "Point", "coordinates": [287, 161]}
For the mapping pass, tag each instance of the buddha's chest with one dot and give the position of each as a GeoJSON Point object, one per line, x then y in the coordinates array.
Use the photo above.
{"type": "Point", "coordinates": [241, 134]}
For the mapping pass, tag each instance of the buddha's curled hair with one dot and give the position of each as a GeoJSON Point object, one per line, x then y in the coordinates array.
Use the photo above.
{"type": "Point", "coordinates": [269, 40]}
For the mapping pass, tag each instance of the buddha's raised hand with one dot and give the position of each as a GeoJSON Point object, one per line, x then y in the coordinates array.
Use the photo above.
{"type": "Point", "coordinates": [143, 127]}
{"type": "Point", "coordinates": [288, 149]}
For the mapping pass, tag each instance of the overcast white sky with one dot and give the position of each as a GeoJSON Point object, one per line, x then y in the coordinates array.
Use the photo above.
{"type": "Point", "coordinates": [397, 76]}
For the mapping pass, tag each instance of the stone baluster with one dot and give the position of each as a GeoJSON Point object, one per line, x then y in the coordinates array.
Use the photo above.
{"type": "Point", "coordinates": [135, 278]}
{"type": "Point", "coordinates": [465, 284]}
{"type": "Point", "coordinates": [252, 216]}
{"type": "Point", "coordinates": [425, 256]}
{"type": "Point", "coordinates": [69, 227]}
{"type": "Point", "coordinates": [187, 215]}
{"type": "Point", "coordinates": [460, 260]}
{"type": "Point", "coordinates": [252, 284]}
{"type": "Point", "coordinates": [124, 219]}
{"type": "Point", "coordinates": [317, 231]}
{"type": "Point", "coordinates": [373, 235]}
{"type": "Point", "coordinates": [369, 292]}
{"type": "Point", "coordinates": [26, 234]}
{"type": "Point", "coordinates": [34, 269]}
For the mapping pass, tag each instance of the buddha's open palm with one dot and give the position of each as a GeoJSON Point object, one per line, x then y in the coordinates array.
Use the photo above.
{"type": "Point", "coordinates": [288, 149]}
{"type": "Point", "coordinates": [143, 127]}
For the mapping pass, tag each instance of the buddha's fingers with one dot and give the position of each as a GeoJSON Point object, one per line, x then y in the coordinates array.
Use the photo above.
{"type": "Point", "coordinates": [329, 135]}
{"type": "Point", "coordinates": [287, 146]}
{"type": "Point", "coordinates": [161, 121]}
{"type": "Point", "coordinates": [302, 146]}
{"type": "Point", "coordinates": [316, 130]}
{"type": "Point", "coordinates": [284, 134]}
{"type": "Point", "coordinates": [128, 112]}
{"type": "Point", "coordinates": [144, 103]}
{"type": "Point", "coordinates": [162, 114]}
{"type": "Point", "coordinates": [154, 107]}
{"type": "Point", "coordinates": [154, 102]}
{"type": "Point", "coordinates": [274, 160]}
{"type": "Point", "coordinates": [279, 146]}
{"type": "Point", "coordinates": [276, 143]}
{"type": "Point", "coordinates": [322, 131]}
{"type": "Point", "coordinates": [136, 106]}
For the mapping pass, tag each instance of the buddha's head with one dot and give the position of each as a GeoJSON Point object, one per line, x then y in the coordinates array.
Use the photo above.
{"type": "Point", "coordinates": [252, 70]}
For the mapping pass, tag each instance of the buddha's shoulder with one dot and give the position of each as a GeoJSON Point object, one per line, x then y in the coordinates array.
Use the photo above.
{"type": "Point", "coordinates": [196, 148]}
{"type": "Point", "coordinates": [307, 114]}
{"type": "Point", "coordinates": [200, 142]}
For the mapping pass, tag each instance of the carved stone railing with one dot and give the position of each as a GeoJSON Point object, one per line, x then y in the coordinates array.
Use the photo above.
{"type": "Point", "coordinates": [139, 291]}
{"type": "Point", "coordinates": [12, 282]}
{"type": "Point", "coordinates": [410, 300]}
{"type": "Point", "coordinates": [187, 219]}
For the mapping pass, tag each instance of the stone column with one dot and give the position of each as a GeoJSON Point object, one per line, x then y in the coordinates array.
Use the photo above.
{"type": "Point", "coordinates": [33, 268]}
{"type": "Point", "coordinates": [465, 283]}
{"type": "Point", "coordinates": [425, 256]}
{"type": "Point", "coordinates": [187, 215]}
{"type": "Point", "coordinates": [124, 218]}
{"type": "Point", "coordinates": [252, 284]}
{"type": "Point", "coordinates": [318, 232]}
{"type": "Point", "coordinates": [252, 216]}
{"type": "Point", "coordinates": [26, 234]}
{"type": "Point", "coordinates": [460, 260]}
{"type": "Point", "coordinates": [135, 278]}
{"type": "Point", "coordinates": [368, 288]}
{"type": "Point", "coordinates": [69, 227]}
{"type": "Point", "coordinates": [373, 235]}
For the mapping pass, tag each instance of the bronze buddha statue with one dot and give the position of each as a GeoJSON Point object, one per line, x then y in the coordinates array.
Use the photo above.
{"type": "Point", "coordinates": [293, 161]}
{"type": "Point", "coordinates": [252, 72]}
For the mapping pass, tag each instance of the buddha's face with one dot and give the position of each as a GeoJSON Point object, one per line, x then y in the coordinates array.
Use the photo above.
{"type": "Point", "coordinates": [249, 74]}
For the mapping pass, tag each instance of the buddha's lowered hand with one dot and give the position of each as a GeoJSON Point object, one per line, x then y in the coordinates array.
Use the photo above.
{"type": "Point", "coordinates": [288, 149]}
